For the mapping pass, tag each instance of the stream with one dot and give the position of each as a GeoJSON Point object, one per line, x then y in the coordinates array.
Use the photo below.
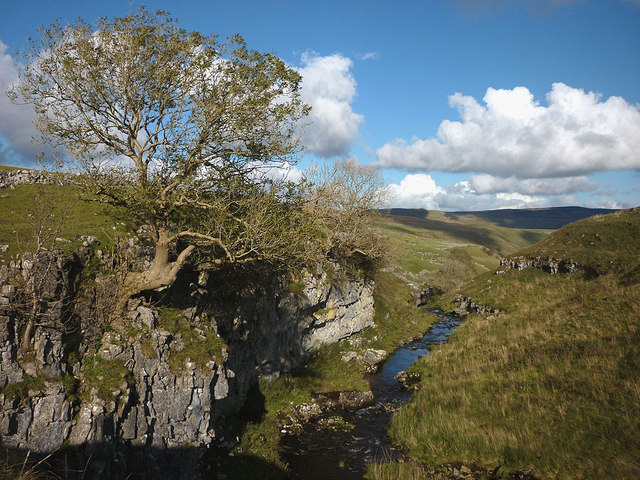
{"type": "Point", "coordinates": [320, 453]}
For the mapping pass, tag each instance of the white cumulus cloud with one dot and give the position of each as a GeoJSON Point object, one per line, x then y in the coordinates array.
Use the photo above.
{"type": "Point", "coordinates": [462, 196]}
{"type": "Point", "coordinates": [532, 186]}
{"type": "Point", "coordinates": [16, 121]}
{"type": "Point", "coordinates": [279, 172]}
{"type": "Point", "coordinates": [421, 191]}
{"type": "Point", "coordinates": [329, 88]}
{"type": "Point", "coordinates": [417, 190]}
{"type": "Point", "coordinates": [512, 135]}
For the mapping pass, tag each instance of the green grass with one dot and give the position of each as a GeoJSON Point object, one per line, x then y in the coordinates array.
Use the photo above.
{"type": "Point", "coordinates": [21, 389]}
{"type": "Point", "coordinates": [396, 317]}
{"type": "Point", "coordinates": [396, 470]}
{"type": "Point", "coordinates": [69, 209]}
{"type": "Point", "coordinates": [29, 383]}
{"type": "Point", "coordinates": [109, 378]}
{"type": "Point", "coordinates": [200, 347]}
{"type": "Point", "coordinates": [9, 168]}
{"type": "Point", "coordinates": [551, 385]}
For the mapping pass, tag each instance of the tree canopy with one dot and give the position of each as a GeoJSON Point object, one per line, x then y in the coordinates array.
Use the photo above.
{"type": "Point", "coordinates": [176, 127]}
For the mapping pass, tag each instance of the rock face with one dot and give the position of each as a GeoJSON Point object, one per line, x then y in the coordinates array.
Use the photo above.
{"type": "Point", "coordinates": [139, 398]}
{"type": "Point", "coordinates": [426, 294]}
{"type": "Point", "coordinates": [370, 358]}
{"type": "Point", "coordinates": [10, 178]}
{"type": "Point", "coordinates": [348, 309]}
{"type": "Point", "coordinates": [546, 264]}
{"type": "Point", "coordinates": [468, 305]}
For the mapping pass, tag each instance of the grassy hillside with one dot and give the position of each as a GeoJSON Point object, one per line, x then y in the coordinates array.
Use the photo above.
{"type": "Point", "coordinates": [446, 252]}
{"type": "Point", "coordinates": [531, 218]}
{"type": "Point", "coordinates": [603, 244]}
{"type": "Point", "coordinates": [473, 229]}
{"type": "Point", "coordinates": [549, 386]}
{"type": "Point", "coordinates": [27, 208]}
{"type": "Point", "coordinates": [9, 168]}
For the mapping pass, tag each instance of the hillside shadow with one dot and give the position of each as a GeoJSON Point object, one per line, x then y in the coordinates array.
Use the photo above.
{"type": "Point", "coordinates": [250, 467]}
{"type": "Point", "coordinates": [538, 218]}
{"type": "Point", "coordinates": [532, 218]}
{"type": "Point", "coordinates": [100, 461]}
{"type": "Point", "coordinates": [472, 234]}
{"type": "Point", "coordinates": [532, 237]}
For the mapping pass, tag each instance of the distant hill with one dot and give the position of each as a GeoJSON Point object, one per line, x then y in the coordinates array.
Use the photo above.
{"type": "Point", "coordinates": [531, 218]}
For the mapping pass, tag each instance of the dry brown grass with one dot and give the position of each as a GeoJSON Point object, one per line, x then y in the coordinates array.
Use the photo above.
{"type": "Point", "coordinates": [14, 468]}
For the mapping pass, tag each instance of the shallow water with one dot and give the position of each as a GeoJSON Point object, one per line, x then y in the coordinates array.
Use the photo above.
{"type": "Point", "coordinates": [318, 454]}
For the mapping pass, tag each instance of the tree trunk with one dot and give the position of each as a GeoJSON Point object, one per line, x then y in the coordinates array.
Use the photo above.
{"type": "Point", "coordinates": [161, 258]}
{"type": "Point", "coordinates": [25, 344]}
{"type": "Point", "coordinates": [27, 336]}
{"type": "Point", "coordinates": [161, 275]}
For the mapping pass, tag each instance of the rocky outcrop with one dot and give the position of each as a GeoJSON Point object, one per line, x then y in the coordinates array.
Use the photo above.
{"type": "Point", "coordinates": [332, 402]}
{"type": "Point", "coordinates": [325, 409]}
{"type": "Point", "coordinates": [140, 390]}
{"type": "Point", "coordinates": [426, 294]}
{"type": "Point", "coordinates": [468, 305]}
{"type": "Point", "coordinates": [370, 358]}
{"type": "Point", "coordinates": [408, 380]}
{"type": "Point", "coordinates": [11, 178]}
{"type": "Point", "coordinates": [347, 308]}
{"type": "Point", "coordinates": [546, 264]}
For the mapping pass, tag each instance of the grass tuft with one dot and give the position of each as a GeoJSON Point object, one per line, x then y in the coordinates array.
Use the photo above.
{"type": "Point", "coordinates": [201, 345]}
{"type": "Point", "coordinates": [108, 378]}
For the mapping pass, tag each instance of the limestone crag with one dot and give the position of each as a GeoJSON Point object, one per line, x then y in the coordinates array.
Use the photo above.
{"type": "Point", "coordinates": [468, 305]}
{"type": "Point", "coordinates": [135, 395]}
{"type": "Point", "coordinates": [348, 309]}
{"type": "Point", "coordinates": [546, 264]}
{"type": "Point", "coordinates": [11, 178]}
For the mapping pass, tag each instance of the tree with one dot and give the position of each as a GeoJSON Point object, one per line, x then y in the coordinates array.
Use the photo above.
{"type": "Point", "coordinates": [345, 197]}
{"type": "Point", "coordinates": [176, 127]}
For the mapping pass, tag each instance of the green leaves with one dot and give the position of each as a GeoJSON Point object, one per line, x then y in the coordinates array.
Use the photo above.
{"type": "Point", "coordinates": [169, 124]}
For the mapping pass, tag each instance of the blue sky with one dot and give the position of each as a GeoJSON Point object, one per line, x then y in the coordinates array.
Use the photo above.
{"type": "Point", "coordinates": [465, 104]}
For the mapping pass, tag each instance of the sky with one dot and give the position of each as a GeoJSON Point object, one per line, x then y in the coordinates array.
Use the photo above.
{"type": "Point", "coordinates": [463, 104]}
